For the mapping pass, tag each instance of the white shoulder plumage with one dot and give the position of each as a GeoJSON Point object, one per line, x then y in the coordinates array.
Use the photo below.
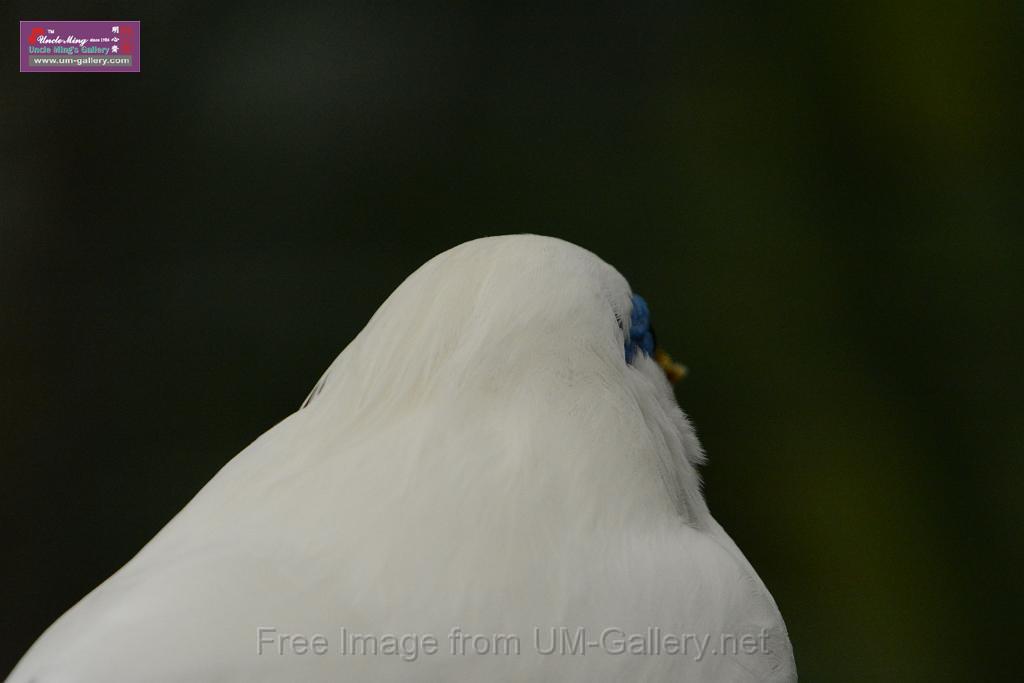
{"type": "Point", "coordinates": [480, 466]}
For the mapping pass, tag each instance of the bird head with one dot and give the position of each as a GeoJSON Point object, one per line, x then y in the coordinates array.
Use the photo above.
{"type": "Point", "coordinates": [530, 335]}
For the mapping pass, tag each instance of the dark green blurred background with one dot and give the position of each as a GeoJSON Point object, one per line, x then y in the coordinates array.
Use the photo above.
{"type": "Point", "coordinates": [820, 201]}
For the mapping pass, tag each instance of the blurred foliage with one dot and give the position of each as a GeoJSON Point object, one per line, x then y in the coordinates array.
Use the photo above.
{"type": "Point", "coordinates": [821, 201]}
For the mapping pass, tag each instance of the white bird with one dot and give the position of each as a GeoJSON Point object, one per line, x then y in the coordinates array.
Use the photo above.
{"type": "Point", "coordinates": [492, 482]}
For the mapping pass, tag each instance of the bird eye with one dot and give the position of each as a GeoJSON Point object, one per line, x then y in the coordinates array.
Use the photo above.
{"type": "Point", "coordinates": [641, 337]}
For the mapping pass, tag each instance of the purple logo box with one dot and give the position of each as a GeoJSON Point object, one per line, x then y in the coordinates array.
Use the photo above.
{"type": "Point", "coordinates": [80, 46]}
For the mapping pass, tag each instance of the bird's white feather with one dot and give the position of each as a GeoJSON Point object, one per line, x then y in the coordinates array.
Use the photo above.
{"type": "Point", "coordinates": [480, 457]}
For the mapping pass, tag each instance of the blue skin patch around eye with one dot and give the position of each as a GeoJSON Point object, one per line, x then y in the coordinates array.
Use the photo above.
{"type": "Point", "coordinates": [640, 336]}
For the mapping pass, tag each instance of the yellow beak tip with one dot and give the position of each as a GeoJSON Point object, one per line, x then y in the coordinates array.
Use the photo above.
{"type": "Point", "coordinates": [673, 371]}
